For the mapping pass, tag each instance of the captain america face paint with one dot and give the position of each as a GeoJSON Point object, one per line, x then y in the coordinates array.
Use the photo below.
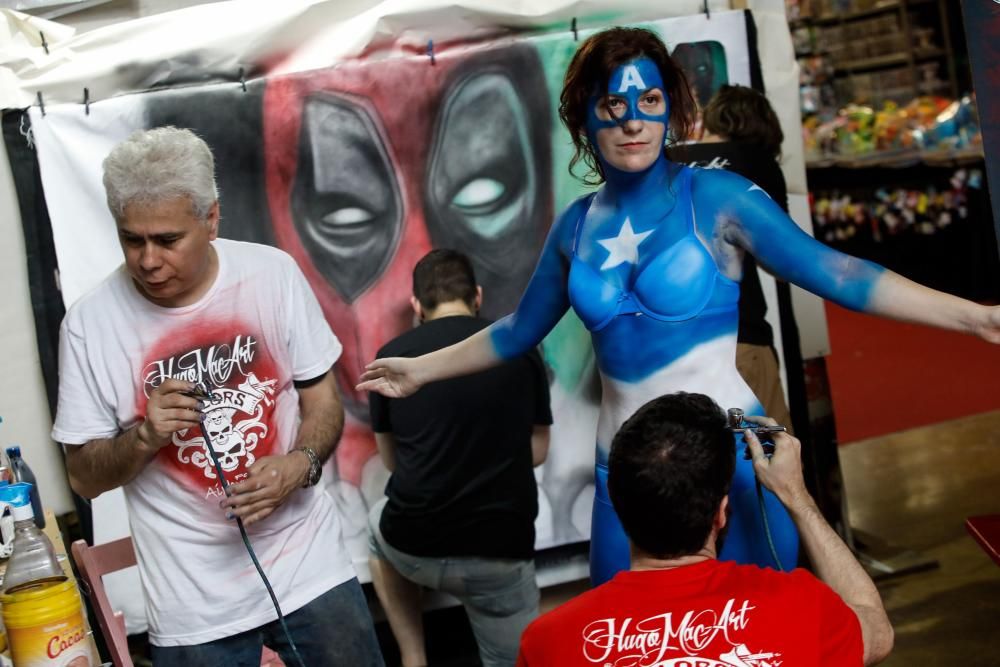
{"type": "Point", "coordinates": [627, 123]}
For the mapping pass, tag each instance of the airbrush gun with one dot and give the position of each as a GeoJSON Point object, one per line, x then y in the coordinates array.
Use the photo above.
{"type": "Point", "coordinates": [738, 423]}
{"type": "Point", "coordinates": [202, 392]}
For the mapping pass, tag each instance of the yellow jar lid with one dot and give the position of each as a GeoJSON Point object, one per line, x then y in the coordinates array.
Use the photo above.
{"type": "Point", "coordinates": [37, 589]}
{"type": "Point", "coordinates": [48, 602]}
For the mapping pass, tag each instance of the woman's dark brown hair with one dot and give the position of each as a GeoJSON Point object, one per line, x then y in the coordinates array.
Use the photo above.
{"type": "Point", "coordinates": [738, 113]}
{"type": "Point", "coordinates": [589, 72]}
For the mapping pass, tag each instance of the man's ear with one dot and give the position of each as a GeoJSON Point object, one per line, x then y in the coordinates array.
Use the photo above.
{"type": "Point", "coordinates": [479, 299]}
{"type": "Point", "coordinates": [212, 219]}
{"type": "Point", "coordinates": [721, 515]}
{"type": "Point", "coordinates": [417, 308]}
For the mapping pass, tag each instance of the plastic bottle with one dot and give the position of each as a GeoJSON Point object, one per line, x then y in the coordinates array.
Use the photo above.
{"type": "Point", "coordinates": [6, 531]}
{"type": "Point", "coordinates": [34, 558]}
{"type": "Point", "coordinates": [22, 473]}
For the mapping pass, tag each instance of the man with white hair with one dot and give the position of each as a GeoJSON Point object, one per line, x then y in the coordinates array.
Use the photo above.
{"type": "Point", "coordinates": [187, 310]}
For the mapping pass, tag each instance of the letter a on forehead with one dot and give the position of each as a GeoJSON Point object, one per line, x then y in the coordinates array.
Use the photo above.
{"type": "Point", "coordinates": [631, 79]}
{"type": "Point", "coordinates": [635, 77]}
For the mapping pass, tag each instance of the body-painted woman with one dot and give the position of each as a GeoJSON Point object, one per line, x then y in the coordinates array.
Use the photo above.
{"type": "Point", "coordinates": [651, 264]}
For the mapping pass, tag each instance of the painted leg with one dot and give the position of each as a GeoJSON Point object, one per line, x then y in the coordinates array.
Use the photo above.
{"type": "Point", "coordinates": [609, 550]}
{"type": "Point", "coordinates": [400, 599]}
{"type": "Point", "coordinates": [746, 539]}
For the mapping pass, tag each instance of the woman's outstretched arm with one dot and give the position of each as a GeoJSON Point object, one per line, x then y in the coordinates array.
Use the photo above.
{"type": "Point", "coordinates": [544, 302]}
{"type": "Point", "coordinates": [746, 217]}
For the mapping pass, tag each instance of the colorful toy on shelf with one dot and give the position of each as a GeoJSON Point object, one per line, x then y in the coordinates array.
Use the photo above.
{"type": "Point", "coordinates": [826, 136]}
{"type": "Point", "coordinates": [956, 126]}
{"type": "Point", "coordinates": [890, 128]}
{"type": "Point", "coordinates": [920, 116]}
{"type": "Point", "coordinates": [857, 136]}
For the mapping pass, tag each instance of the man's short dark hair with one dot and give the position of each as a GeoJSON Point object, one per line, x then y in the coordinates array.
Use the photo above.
{"type": "Point", "coordinates": [444, 275]}
{"type": "Point", "coordinates": [670, 466]}
{"type": "Point", "coordinates": [739, 113]}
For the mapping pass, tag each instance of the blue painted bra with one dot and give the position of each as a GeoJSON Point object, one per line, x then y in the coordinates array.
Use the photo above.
{"type": "Point", "coordinates": [680, 283]}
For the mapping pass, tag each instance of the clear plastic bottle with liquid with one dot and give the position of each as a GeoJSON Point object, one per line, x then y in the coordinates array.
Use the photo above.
{"type": "Point", "coordinates": [34, 558]}
{"type": "Point", "coordinates": [22, 473]}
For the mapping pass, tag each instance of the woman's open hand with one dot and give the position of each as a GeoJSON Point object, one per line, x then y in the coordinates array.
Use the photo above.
{"type": "Point", "coordinates": [393, 377]}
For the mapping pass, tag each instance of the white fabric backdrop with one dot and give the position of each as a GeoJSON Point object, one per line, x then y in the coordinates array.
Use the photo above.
{"type": "Point", "coordinates": [118, 59]}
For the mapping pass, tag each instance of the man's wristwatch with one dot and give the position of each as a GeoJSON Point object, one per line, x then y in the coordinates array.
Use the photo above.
{"type": "Point", "coordinates": [315, 467]}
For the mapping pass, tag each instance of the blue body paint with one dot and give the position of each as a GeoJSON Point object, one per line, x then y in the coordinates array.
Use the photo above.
{"type": "Point", "coordinates": [650, 264]}
{"type": "Point", "coordinates": [745, 216]}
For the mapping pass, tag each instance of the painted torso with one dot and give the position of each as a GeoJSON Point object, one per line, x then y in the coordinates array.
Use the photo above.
{"type": "Point", "coordinates": [662, 314]}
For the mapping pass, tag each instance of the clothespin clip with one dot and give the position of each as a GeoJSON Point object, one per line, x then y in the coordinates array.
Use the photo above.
{"type": "Point", "coordinates": [45, 45]}
{"type": "Point", "coordinates": [86, 101]}
{"type": "Point", "coordinates": [41, 103]}
{"type": "Point", "coordinates": [708, 14]}
{"type": "Point", "coordinates": [572, 26]}
{"type": "Point", "coordinates": [243, 81]}
{"type": "Point", "coordinates": [430, 51]}
{"type": "Point", "coordinates": [25, 131]}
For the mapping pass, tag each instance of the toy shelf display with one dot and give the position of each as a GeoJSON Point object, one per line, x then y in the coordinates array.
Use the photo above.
{"type": "Point", "coordinates": [930, 222]}
{"type": "Point", "coordinates": [892, 140]}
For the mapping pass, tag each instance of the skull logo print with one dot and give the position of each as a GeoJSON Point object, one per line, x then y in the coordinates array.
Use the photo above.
{"type": "Point", "coordinates": [238, 421]}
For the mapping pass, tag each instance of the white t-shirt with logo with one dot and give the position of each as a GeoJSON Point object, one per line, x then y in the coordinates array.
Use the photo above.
{"type": "Point", "coordinates": [258, 329]}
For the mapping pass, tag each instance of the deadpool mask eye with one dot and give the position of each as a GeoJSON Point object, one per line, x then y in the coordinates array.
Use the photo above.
{"type": "Point", "coordinates": [481, 183]}
{"type": "Point", "coordinates": [345, 200]}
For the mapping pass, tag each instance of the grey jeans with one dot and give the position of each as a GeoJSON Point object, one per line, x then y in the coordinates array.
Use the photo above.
{"type": "Point", "coordinates": [500, 595]}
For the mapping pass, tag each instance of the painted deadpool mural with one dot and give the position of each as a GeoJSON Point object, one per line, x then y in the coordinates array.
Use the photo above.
{"type": "Point", "coordinates": [364, 168]}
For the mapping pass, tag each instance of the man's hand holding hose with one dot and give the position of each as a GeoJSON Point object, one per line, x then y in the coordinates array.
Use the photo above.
{"type": "Point", "coordinates": [781, 473]}
{"type": "Point", "coordinates": [832, 561]}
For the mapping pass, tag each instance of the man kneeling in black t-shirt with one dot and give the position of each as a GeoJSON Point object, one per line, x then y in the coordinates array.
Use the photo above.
{"type": "Point", "coordinates": [462, 500]}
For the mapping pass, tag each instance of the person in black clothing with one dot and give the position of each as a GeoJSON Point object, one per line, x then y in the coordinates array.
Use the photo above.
{"type": "Point", "coordinates": [743, 135]}
{"type": "Point", "coordinates": [462, 500]}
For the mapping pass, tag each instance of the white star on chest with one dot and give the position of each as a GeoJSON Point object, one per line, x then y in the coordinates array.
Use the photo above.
{"type": "Point", "coordinates": [624, 247]}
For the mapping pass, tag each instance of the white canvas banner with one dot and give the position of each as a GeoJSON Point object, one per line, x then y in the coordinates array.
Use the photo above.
{"type": "Point", "coordinates": [257, 136]}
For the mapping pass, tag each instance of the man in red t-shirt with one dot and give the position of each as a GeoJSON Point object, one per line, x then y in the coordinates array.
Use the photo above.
{"type": "Point", "coordinates": [668, 478]}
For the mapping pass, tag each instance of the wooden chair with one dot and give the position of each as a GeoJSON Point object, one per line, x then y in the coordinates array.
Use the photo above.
{"type": "Point", "coordinates": [95, 562]}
